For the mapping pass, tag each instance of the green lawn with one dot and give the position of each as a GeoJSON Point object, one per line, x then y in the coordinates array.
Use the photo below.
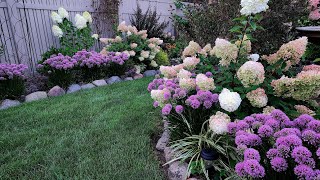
{"type": "Point", "coordinates": [102, 133]}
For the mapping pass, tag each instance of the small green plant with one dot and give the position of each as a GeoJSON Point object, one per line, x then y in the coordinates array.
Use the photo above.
{"type": "Point", "coordinates": [162, 59]}
{"type": "Point", "coordinates": [148, 21]}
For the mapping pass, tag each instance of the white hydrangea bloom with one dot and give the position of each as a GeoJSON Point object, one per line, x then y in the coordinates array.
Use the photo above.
{"type": "Point", "coordinates": [87, 16]}
{"type": "Point", "coordinates": [153, 63]}
{"type": "Point", "coordinates": [253, 6]}
{"type": "Point", "coordinates": [254, 57]}
{"type": "Point", "coordinates": [95, 36]}
{"type": "Point", "coordinates": [229, 101]}
{"type": "Point", "coordinates": [81, 22]}
{"type": "Point", "coordinates": [218, 123]}
{"type": "Point", "coordinates": [57, 31]}
{"type": "Point", "coordinates": [56, 18]}
{"type": "Point", "coordinates": [63, 13]}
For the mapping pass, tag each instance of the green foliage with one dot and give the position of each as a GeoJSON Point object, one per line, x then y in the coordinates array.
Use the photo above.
{"type": "Point", "coordinates": [93, 134]}
{"type": "Point", "coordinates": [72, 41]}
{"type": "Point", "coordinates": [148, 21]}
{"type": "Point", "coordinates": [62, 78]}
{"type": "Point", "coordinates": [12, 88]}
{"type": "Point", "coordinates": [162, 59]}
{"type": "Point", "coordinates": [205, 22]}
{"type": "Point", "coordinates": [189, 148]}
{"type": "Point", "coordinates": [175, 49]}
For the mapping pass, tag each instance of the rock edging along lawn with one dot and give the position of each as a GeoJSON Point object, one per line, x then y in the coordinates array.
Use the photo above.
{"type": "Point", "coordinates": [58, 91]}
{"type": "Point", "coordinates": [176, 170]}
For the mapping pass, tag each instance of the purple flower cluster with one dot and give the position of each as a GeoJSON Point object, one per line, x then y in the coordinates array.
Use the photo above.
{"type": "Point", "coordinates": [286, 141]}
{"type": "Point", "coordinates": [90, 59]}
{"type": "Point", "coordinates": [9, 71]}
{"type": "Point", "coordinates": [59, 62]}
{"type": "Point", "coordinates": [118, 58]}
{"type": "Point", "coordinates": [205, 98]}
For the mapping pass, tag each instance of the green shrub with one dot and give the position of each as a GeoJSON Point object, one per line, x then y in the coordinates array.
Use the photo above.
{"type": "Point", "coordinates": [12, 88]}
{"type": "Point", "coordinates": [205, 22]}
{"type": "Point", "coordinates": [162, 58]}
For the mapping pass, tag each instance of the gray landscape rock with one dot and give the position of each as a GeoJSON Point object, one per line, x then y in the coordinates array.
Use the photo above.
{"type": "Point", "coordinates": [149, 73]}
{"type": "Point", "coordinates": [74, 88]}
{"type": "Point", "coordinates": [138, 76]}
{"type": "Point", "coordinates": [56, 91]}
{"type": "Point", "coordinates": [7, 103]}
{"type": "Point", "coordinates": [100, 82]}
{"type": "Point", "coordinates": [177, 171]}
{"type": "Point", "coordinates": [128, 79]}
{"type": "Point", "coordinates": [163, 141]}
{"type": "Point", "coordinates": [114, 79]}
{"type": "Point", "coordinates": [88, 86]}
{"type": "Point", "coordinates": [36, 96]}
{"type": "Point", "coordinates": [168, 154]}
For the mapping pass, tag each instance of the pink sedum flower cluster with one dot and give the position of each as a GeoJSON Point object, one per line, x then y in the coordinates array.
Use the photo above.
{"type": "Point", "coordinates": [257, 98]}
{"type": "Point", "coordinates": [251, 73]}
{"type": "Point", "coordinates": [10, 71]}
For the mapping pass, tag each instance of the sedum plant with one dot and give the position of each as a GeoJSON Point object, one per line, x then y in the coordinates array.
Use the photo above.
{"type": "Point", "coordinates": [12, 80]}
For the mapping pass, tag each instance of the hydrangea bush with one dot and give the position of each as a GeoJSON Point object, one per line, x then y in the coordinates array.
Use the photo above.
{"type": "Point", "coordinates": [274, 147]}
{"type": "Point", "coordinates": [12, 80]}
{"type": "Point", "coordinates": [73, 36]}
{"type": "Point", "coordinates": [136, 45]}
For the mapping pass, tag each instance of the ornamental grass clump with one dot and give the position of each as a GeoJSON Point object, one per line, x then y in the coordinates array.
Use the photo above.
{"type": "Point", "coordinates": [274, 147]}
{"type": "Point", "coordinates": [136, 44]}
{"type": "Point", "coordinates": [12, 80]}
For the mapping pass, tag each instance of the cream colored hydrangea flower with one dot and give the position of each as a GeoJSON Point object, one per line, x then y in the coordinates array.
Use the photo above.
{"type": "Point", "coordinates": [153, 63]}
{"type": "Point", "coordinates": [158, 95]}
{"type": "Point", "coordinates": [57, 31]}
{"type": "Point", "coordinates": [304, 110]}
{"type": "Point", "coordinates": [95, 36]}
{"type": "Point", "coordinates": [226, 51]}
{"type": "Point", "coordinates": [56, 18]}
{"type": "Point", "coordinates": [81, 22]}
{"type": "Point", "coordinates": [229, 101]}
{"type": "Point", "coordinates": [187, 84]}
{"type": "Point", "coordinates": [184, 74]}
{"type": "Point", "coordinates": [205, 83]}
{"type": "Point", "coordinates": [251, 73]}
{"type": "Point", "coordinates": [190, 62]}
{"type": "Point", "coordinates": [191, 49]}
{"type": "Point", "coordinates": [218, 123]}
{"type": "Point", "coordinates": [257, 98]}
{"type": "Point", "coordinates": [268, 109]}
{"type": "Point", "coordinates": [87, 16]}
{"type": "Point", "coordinates": [253, 6]}
{"type": "Point", "coordinates": [63, 13]}
{"type": "Point", "coordinates": [145, 54]}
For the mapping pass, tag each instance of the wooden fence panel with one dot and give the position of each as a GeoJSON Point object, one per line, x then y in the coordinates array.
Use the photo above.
{"type": "Point", "coordinates": [25, 28]}
{"type": "Point", "coordinates": [25, 25]}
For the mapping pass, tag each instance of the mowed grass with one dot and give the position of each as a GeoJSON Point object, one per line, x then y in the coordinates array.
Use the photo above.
{"type": "Point", "coordinates": [103, 133]}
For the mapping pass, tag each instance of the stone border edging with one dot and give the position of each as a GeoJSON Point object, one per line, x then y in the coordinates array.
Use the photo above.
{"type": "Point", "coordinates": [58, 91]}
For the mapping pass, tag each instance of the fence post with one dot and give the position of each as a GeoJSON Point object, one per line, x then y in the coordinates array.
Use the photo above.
{"type": "Point", "coordinates": [19, 36]}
